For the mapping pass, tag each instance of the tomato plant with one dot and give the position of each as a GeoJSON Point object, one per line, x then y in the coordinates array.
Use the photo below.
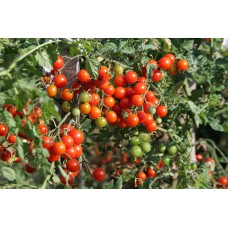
{"type": "Point", "coordinates": [131, 113]}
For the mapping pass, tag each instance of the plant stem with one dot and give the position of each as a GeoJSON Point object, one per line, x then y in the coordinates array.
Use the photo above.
{"type": "Point", "coordinates": [43, 186]}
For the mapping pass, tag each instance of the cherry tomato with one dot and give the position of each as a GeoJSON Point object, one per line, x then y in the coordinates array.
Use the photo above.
{"type": "Point", "coordinates": [85, 108]}
{"type": "Point", "coordinates": [135, 141]}
{"type": "Point", "coordinates": [171, 57]}
{"type": "Point", "coordinates": [111, 117]}
{"type": "Point", "coordinates": [137, 100]}
{"type": "Point", "coordinates": [131, 77]}
{"type": "Point", "coordinates": [149, 119]}
{"type": "Point", "coordinates": [67, 94]}
{"type": "Point", "coordinates": [172, 149]}
{"type": "Point", "coordinates": [64, 127]}
{"type": "Point", "coordinates": [68, 141]}
{"type": "Point", "coordinates": [101, 122]}
{"type": "Point", "coordinates": [51, 90]}
{"type": "Point", "coordinates": [12, 138]}
{"type": "Point", "coordinates": [140, 88]}
{"type": "Point", "coordinates": [165, 63]}
{"type": "Point", "coordinates": [43, 129]}
{"type": "Point", "coordinates": [59, 148]}
{"type": "Point", "coordinates": [136, 151]}
{"type": "Point", "coordinates": [109, 90]}
{"type": "Point", "coordinates": [146, 147]}
{"type": "Point", "coordinates": [73, 152]}
{"type": "Point", "coordinates": [173, 70]}
{"type": "Point", "coordinates": [103, 71]}
{"type": "Point", "coordinates": [66, 107]}
{"type": "Point", "coordinates": [166, 160]}
{"type": "Point", "coordinates": [132, 120]}
{"type": "Point", "coordinates": [199, 157]}
{"type": "Point", "coordinates": [60, 80]}
{"type": "Point", "coordinates": [37, 111]}
{"type": "Point", "coordinates": [142, 116]}
{"type": "Point", "coordinates": [157, 76]}
{"type": "Point", "coordinates": [95, 99]}
{"type": "Point", "coordinates": [58, 64]}
{"type": "Point", "coordinates": [118, 69]}
{"type": "Point", "coordinates": [83, 76]}
{"type": "Point", "coordinates": [5, 155]}
{"type": "Point", "coordinates": [99, 174]}
{"type": "Point", "coordinates": [73, 165]}
{"type": "Point", "coordinates": [125, 103]}
{"type": "Point", "coordinates": [46, 79]}
{"type": "Point", "coordinates": [151, 173]}
{"type": "Point", "coordinates": [95, 112]}
{"type": "Point", "coordinates": [161, 111]}
{"type": "Point", "coordinates": [151, 61]}
{"type": "Point", "coordinates": [143, 136]}
{"type": "Point", "coordinates": [77, 136]}
{"type": "Point", "coordinates": [223, 180]}
{"type": "Point", "coordinates": [150, 96]}
{"type": "Point", "coordinates": [182, 64]}
{"type": "Point", "coordinates": [29, 169]}
{"type": "Point", "coordinates": [120, 92]}
{"type": "Point", "coordinates": [109, 101]}
{"type": "Point", "coordinates": [210, 160]}
{"type": "Point", "coordinates": [120, 81]}
{"type": "Point", "coordinates": [152, 126]}
{"type": "Point", "coordinates": [84, 97]}
{"type": "Point", "coordinates": [162, 148]}
{"type": "Point", "coordinates": [47, 142]}
{"type": "Point", "coordinates": [141, 175]}
{"type": "Point", "coordinates": [53, 157]}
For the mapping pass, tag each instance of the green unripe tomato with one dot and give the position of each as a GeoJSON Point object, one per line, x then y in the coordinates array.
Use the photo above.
{"type": "Point", "coordinates": [159, 120]}
{"type": "Point", "coordinates": [189, 167]}
{"type": "Point", "coordinates": [143, 136]}
{"type": "Point", "coordinates": [152, 110]}
{"type": "Point", "coordinates": [84, 96]}
{"type": "Point", "coordinates": [135, 133]}
{"type": "Point", "coordinates": [172, 149]}
{"type": "Point", "coordinates": [136, 151]}
{"type": "Point", "coordinates": [66, 106]}
{"type": "Point", "coordinates": [146, 147]}
{"type": "Point", "coordinates": [101, 122]}
{"type": "Point", "coordinates": [135, 141]}
{"type": "Point", "coordinates": [194, 166]}
{"type": "Point", "coordinates": [118, 69]}
{"type": "Point", "coordinates": [162, 148]}
{"type": "Point", "coordinates": [76, 112]}
{"type": "Point", "coordinates": [166, 160]}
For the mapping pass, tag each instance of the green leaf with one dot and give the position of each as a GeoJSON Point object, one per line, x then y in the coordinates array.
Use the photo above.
{"type": "Point", "coordinates": [92, 65]}
{"type": "Point", "coordinates": [109, 46]}
{"type": "Point", "coordinates": [188, 45]}
{"type": "Point", "coordinates": [43, 59]}
{"type": "Point", "coordinates": [63, 172]}
{"type": "Point", "coordinates": [144, 47]}
{"type": "Point", "coordinates": [109, 185]}
{"type": "Point", "coordinates": [119, 183]}
{"type": "Point", "coordinates": [128, 50]}
{"type": "Point", "coordinates": [8, 173]}
{"type": "Point", "coordinates": [215, 125]}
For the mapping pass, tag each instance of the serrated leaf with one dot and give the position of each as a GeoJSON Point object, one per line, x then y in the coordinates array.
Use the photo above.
{"type": "Point", "coordinates": [63, 172]}
{"type": "Point", "coordinates": [8, 173]}
{"type": "Point", "coordinates": [92, 66]}
{"type": "Point", "coordinates": [119, 183]}
{"type": "Point", "coordinates": [122, 44]}
{"type": "Point", "coordinates": [128, 50]}
{"type": "Point", "coordinates": [109, 185]}
{"type": "Point", "coordinates": [43, 59]}
{"type": "Point", "coordinates": [215, 125]}
{"type": "Point", "coordinates": [188, 45]}
{"type": "Point", "coordinates": [56, 179]}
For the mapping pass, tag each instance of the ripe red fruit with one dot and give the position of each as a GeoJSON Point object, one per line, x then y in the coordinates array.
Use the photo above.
{"type": "Point", "coordinates": [223, 180]}
{"type": "Point", "coordinates": [5, 156]}
{"type": "Point", "coordinates": [59, 148]}
{"type": "Point", "coordinates": [29, 169]}
{"type": "Point", "coordinates": [165, 63]}
{"type": "Point", "coordinates": [151, 173]}
{"type": "Point", "coordinates": [99, 174]}
{"type": "Point", "coordinates": [83, 76]}
{"type": "Point", "coordinates": [182, 64]}
{"type": "Point", "coordinates": [199, 157]}
{"type": "Point", "coordinates": [103, 71]}
{"type": "Point", "coordinates": [131, 77]}
{"type": "Point", "coordinates": [141, 175]}
{"type": "Point", "coordinates": [47, 142]}
{"type": "Point", "coordinates": [109, 90]}
{"type": "Point", "coordinates": [77, 136]}
{"type": "Point", "coordinates": [137, 100]}
{"type": "Point", "coordinates": [64, 127]}
{"type": "Point", "coordinates": [53, 157]}
{"type": "Point", "coordinates": [120, 92]}
{"type": "Point", "coordinates": [3, 129]}
{"type": "Point", "coordinates": [140, 88]}
{"type": "Point", "coordinates": [157, 76]}
{"type": "Point", "coordinates": [142, 116]}
{"type": "Point", "coordinates": [43, 129]}
{"type": "Point", "coordinates": [68, 141]}
{"type": "Point", "coordinates": [125, 103]}
{"type": "Point", "coordinates": [161, 111]}
{"type": "Point", "coordinates": [171, 57]}
{"type": "Point", "coordinates": [60, 80]}
{"type": "Point", "coordinates": [150, 96]}
{"type": "Point", "coordinates": [149, 119]}
{"type": "Point", "coordinates": [152, 126]}
{"type": "Point", "coordinates": [210, 160]}
{"type": "Point", "coordinates": [58, 64]}
{"type": "Point", "coordinates": [73, 165]}
{"type": "Point", "coordinates": [120, 81]}
{"type": "Point", "coordinates": [12, 138]}
{"type": "Point", "coordinates": [132, 120]}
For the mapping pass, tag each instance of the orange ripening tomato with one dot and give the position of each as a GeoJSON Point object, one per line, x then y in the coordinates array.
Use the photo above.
{"type": "Point", "coordinates": [51, 90]}
{"type": "Point", "coordinates": [83, 76]}
{"type": "Point", "coordinates": [109, 101]}
{"type": "Point", "coordinates": [67, 94]}
{"type": "Point", "coordinates": [95, 112]}
{"type": "Point", "coordinates": [111, 117]}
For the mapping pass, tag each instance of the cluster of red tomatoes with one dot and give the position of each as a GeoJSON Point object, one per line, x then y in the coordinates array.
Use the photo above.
{"type": "Point", "coordinates": [68, 148]}
{"type": "Point", "coordinates": [124, 100]}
